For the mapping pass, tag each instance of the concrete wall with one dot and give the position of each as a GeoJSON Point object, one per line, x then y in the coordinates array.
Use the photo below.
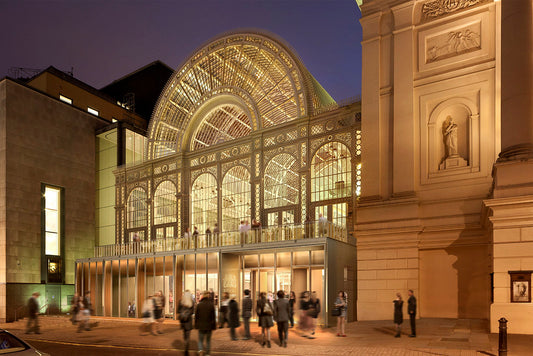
{"type": "Point", "coordinates": [47, 142]}
{"type": "Point", "coordinates": [341, 272]}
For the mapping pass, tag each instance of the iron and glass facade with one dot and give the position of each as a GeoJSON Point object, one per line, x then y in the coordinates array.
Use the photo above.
{"type": "Point", "coordinates": [241, 132]}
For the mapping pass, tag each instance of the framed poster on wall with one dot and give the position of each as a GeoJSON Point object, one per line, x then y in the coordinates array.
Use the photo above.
{"type": "Point", "coordinates": [520, 286]}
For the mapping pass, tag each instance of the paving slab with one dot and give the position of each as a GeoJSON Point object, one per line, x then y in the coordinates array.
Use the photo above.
{"type": "Point", "coordinates": [453, 337]}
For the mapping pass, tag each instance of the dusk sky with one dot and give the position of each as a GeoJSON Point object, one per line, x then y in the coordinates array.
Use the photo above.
{"type": "Point", "coordinates": [104, 40]}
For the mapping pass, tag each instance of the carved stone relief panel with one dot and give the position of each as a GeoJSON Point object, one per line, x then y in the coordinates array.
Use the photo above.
{"type": "Point", "coordinates": [454, 43]}
{"type": "Point", "coordinates": [457, 44]}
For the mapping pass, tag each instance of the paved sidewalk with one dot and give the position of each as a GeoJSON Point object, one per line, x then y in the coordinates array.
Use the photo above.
{"type": "Point", "coordinates": [435, 337]}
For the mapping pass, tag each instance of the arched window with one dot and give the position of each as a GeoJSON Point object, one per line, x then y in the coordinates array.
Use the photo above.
{"type": "Point", "coordinates": [165, 208]}
{"type": "Point", "coordinates": [137, 212]}
{"type": "Point", "coordinates": [281, 182]}
{"type": "Point", "coordinates": [236, 198]}
{"type": "Point", "coordinates": [331, 172]}
{"type": "Point", "coordinates": [204, 200]}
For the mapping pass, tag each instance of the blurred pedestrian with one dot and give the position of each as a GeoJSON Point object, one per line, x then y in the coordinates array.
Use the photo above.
{"type": "Point", "coordinates": [223, 310]}
{"type": "Point", "coordinates": [233, 317]}
{"type": "Point", "coordinates": [74, 309]}
{"type": "Point", "coordinates": [292, 303]}
{"type": "Point", "coordinates": [341, 303]}
{"type": "Point", "coordinates": [159, 305]}
{"type": "Point", "coordinates": [185, 312]}
{"type": "Point", "coordinates": [304, 324]}
{"type": "Point", "coordinates": [247, 307]}
{"type": "Point", "coordinates": [314, 311]}
{"type": "Point", "coordinates": [265, 311]}
{"type": "Point", "coordinates": [33, 314]}
{"type": "Point", "coordinates": [84, 315]}
{"type": "Point", "coordinates": [205, 322]}
{"type": "Point", "coordinates": [281, 315]}
{"type": "Point", "coordinates": [148, 316]}
{"type": "Point", "coordinates": [398, 314]}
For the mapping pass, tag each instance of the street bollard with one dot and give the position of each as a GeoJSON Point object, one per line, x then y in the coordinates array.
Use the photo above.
{"type": "Point", "coordinates": [502, 342]}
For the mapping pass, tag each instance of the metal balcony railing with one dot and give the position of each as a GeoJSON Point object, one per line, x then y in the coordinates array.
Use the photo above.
{"type": "Point", "coordinates": [229, 238]}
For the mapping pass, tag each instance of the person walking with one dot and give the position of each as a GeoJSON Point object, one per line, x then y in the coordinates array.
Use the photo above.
{"type": "Point", "coordinates": [185, 312]}
{"type": "Point", "coordinates": [314, 311]}
{"type": "Point", "coordinates": [223, 310]}
{"type": "Point", "coordinates": [281, 315]}
{"type": "Point", "coordinates": [159, 304]}
{"type": "Point", "coordinates": [233, 317]}
{"type": "Point", "coordinates": [398, 314]}
{"type": "Point", "coordinates": [148, 317]}
{"type": "Point", "coordinates": [411, 309]}
{"type": "Point", "coordinates": [247, 307]}
{"type": "Point", "coordinates": [292, 303]}
{"type": "Point", "coordinates": [265, 311]}
{"type": "Point", "coordinates": [205, 322]}
{"type": "Point", "coordinates": [83, 316]}
{"type": "Point", "coordinates": [33, 314]}
{"type": "Point", "coordinates": [304, 323]}
{"type": "Point", "coordinates": [74, 309]}
{"type": "Point", "coordinates": [341, 303]}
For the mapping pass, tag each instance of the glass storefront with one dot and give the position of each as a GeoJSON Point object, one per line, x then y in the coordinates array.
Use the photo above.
{"type": "Point", "coordinates": [115, 284]}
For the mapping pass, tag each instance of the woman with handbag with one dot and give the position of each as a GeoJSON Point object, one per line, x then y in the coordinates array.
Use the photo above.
{"type": "Point", "coordinates": [341, 304]}
{"type": "Point", "coordinates": [264, 312]}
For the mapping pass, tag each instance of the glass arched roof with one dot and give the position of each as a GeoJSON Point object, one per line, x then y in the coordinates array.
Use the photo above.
{"type": "Point", "coordinates": [224, 123]}
{"type": "Point", "coordinates": [267, 82]}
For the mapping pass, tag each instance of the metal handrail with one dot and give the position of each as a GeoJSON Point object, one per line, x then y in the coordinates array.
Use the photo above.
{"type": "Point", "coordinates": [17, 309]}
{"type": "Point", "coordinates": [287, 232]}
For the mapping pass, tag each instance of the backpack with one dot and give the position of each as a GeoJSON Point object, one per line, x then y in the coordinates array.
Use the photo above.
{"type": "Point", "coordinates": [267, 309]}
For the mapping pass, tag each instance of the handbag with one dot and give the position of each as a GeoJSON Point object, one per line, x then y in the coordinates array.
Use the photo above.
{"type": "Point", "coordinates": [336, 312]}
{"type": "Point", "coordinates": [146, 314]}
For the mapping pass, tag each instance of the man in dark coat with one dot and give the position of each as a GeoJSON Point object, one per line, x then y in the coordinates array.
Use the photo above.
{"type": "Point", "coordinates": [205, 322]}
{"type": "Point", "coordinates": [411, 309]}
{"type": "Point", "coordinates": [247, 306]}
{"type": "Point", "coordinates": [281, 315]}
{"type": "Point", "coordinates": [33, 314]}
{"type": "Point", "coordinates": [233, 317]}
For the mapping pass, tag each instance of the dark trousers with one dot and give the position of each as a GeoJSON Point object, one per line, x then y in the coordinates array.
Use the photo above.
{"type": "Point", "coordinates": [35, 327]}
{"type": "Point", "coordinates": [247, 327]}
{"type": "Point", "coordinates": [291, 319]}
{"type": "Point", "coordinates": [283, 330]}
{"type": "Point", "coordinates": [204, 335]}
{"type": "Point", "coordinates": [232, 333]}
{"type": "Point", "coordinates": [186, 339]}
{"type": "Point", "coordinates": [413, 323]}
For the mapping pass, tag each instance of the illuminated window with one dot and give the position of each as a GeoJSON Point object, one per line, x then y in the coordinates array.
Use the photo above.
{"type": "Point", "coordinates": [331, 172]}
{"type": "Point", "coordinates": [236, 198]}
{"type": "Point", "coordinates": [281, 181]}
{"type": "Point", "coordinates": [93, 111]}
{"type": "Point", "coordinates": [52, 221]}
{"type": "Point", "coordinates": [204, 210]}
{"type": "Point", "coordinates": [113, 120]}
{"type": "Point", "coordinates": [65, 99]}
{"type": "Point", "coordinates": [165, 203]}
{"type": "Point", "coordinates": [135, 144]}
{"type": "Point", "coordinates": [137, 209]}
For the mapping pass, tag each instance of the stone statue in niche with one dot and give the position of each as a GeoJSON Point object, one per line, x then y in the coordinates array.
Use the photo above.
{"type": "Point", "coordinates": [452, 159]}
{"type": "Point", "coordinates": [450, 137]}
